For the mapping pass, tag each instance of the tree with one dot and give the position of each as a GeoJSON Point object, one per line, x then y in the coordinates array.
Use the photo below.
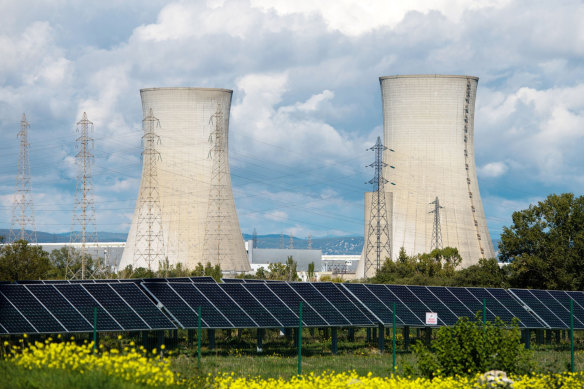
{"type": "Point", "coordinates": [487, 274]}
{"type": "Point", "coordinates": [545, 244]}
{"type": "Point", "coordinates": [21, 261]}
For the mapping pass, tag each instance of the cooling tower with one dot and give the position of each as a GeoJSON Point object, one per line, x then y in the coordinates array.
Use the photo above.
{"type": "Point", "coordinates": [192, 198]}
{"type": "Point", "coordinates": [428, 123]}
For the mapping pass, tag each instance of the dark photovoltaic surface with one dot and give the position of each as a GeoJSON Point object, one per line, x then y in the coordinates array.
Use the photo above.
{"type": "Point", "coordinates": [57, 306]}
{"type": "Point", "coordinates": [273, 303]}
{"type": "Point", "coordinates": [293, 299]}
{"type": "Point", "coordinates": [251, 305]}
{"type": "Point", "coordinates": [61, 308]}
{"type": "Point", "coordinates": [40, 318]}
{"type": "Point", "coordinates": [349, 309]}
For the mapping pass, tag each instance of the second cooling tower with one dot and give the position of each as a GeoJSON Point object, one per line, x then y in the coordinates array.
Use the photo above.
{"type": "Point", "coordinates": [429, 124]}
{"type": "Point", "coordinates": [188, 193]}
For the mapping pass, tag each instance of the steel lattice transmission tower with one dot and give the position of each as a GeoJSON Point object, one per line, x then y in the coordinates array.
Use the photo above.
{"type": "Point", "coordinates": [149, 243]}
{"type": "Point", "coordinates": [378, 240]}
{"type": "Point", "coordinates": [436, 230]}
{"type": "Point", "coordinates": [216, 233]}
{"type": "Point", "coordinates": [84, 209]}
{"type": "Point", "coordinates": [23, 210]}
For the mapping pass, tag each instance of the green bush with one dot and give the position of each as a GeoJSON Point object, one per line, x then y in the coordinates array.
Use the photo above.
{"type": "Point", "coordinates": [471, 347]}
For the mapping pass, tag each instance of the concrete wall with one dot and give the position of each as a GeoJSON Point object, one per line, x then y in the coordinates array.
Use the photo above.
{"type": "Point", "coordinates": [185, 176]}
{"type": "Point", "coordinates": [429, 123]}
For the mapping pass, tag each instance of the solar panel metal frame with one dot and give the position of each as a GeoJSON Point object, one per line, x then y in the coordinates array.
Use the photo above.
{"type": "Point", "coordinates": [319, 285]}
{"type": "Point", "coordinates": [577, 309]}
{"type": "Point", "coordinates": [249, 287]}
{"type": "Point", "coordinates": [37, 312]}
{"type": "Point", "coordinates": [56, 314]}
{"type": "Point", "coordinates": [199, 285]}
{"type": "Point", "coordinates": [306, 306]}
{"type": "Point", "coordinates": [233, 280]}
{"type": "Point", "coordinates": [326, 300]}
{"type": "Point", "coordinates": [194, 308]}
{"type": "Point", "coordinates": [223, 286]}
{"type": "Point", "coordinates": [370, 309]}
{"type": "Point", "coordinates": [168, 310]}
{"type": "Point", "coordinates": [535, 309]}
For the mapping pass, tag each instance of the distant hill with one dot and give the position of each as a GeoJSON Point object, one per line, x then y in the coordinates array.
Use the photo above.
{"type": "Point", "coordinates": [344, 245]}
{"type": "Point", "coordinates": [46, 237]}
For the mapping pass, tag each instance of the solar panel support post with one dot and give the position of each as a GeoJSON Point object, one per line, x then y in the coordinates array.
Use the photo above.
{"type": "Point", "coordinates": [260, 335]}
{"type": "Point", "coordinates": [393, 336]}
{"type": "Point", "coordinates": [199, 335]}
{"type": "Point", "coordinates": [406, 334]}
{"type": "Point", "coordinates": [428, 331]}
{"type": "Point", "coordinates": [160, 339]}
{"type": "Point", "coordinates": [572, 335]}
{"type": "Point", "coordinates": [300, 339]}
{"type": "Point", "coordinates": [527, 338]}
{"type": "Point", "coordinates": [351, 334]}
{"type": "Point", "coordinates": [368, 335]}
{"type": "Point", "coordinates": [190, 336]}
{"type": "Point", "coordinates": [381, 339]}
{"type": "Point", "coordinates": [557, 336]}
{"type": "Point", "coordinates": [334, 340]}
{"type": "Point", "coordinates": [548, 336]}
{"type": "Point", "coordinates": [211, 334]}
{"type": "Point", "coordinates": [94, 328]}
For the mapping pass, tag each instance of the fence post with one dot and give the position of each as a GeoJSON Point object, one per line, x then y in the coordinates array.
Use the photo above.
{"type": "Point", "coordinates": [393, 346]}
{"type": "Point", "coordinates": [300, 339]}
{"type": "Point", "coordinates": [94, 328]}
{"type": "Point", "coordinates": [572, 334]}
{"type": "Point", "coordinates": [199, 339]}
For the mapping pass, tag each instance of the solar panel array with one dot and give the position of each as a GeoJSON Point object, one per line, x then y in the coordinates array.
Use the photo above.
{"type": "Point", "coordinates": [69, 307]}
{"type": "Point", "coordinates": [169, 303]}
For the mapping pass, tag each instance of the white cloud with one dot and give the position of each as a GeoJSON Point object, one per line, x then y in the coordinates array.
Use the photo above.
{"type": "Point", "coordinates": [355, 18]}
{"type": "Point", "coordinates": [278, 216]}
{"type": "Point", "coordinates": [493, 169]}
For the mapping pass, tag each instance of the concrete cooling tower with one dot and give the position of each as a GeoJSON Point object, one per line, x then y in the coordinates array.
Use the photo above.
{"type": "Point", "coordinates": [428, 123]}
{"type": "Point", "coordinates": [185, 210]}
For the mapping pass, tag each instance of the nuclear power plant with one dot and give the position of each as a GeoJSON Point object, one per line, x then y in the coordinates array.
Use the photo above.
{"type": "Point", "coordinates": [428, 123]}
{"type": "Point", "coordinates": [185, 212]}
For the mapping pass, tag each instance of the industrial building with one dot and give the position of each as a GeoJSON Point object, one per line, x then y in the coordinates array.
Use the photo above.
{"type": "Point", "coordinates": [434, 200]}
{"type": "Point", "coordinates": [185, 210]}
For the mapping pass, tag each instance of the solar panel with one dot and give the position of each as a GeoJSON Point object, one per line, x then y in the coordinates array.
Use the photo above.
{"type": "Point", "coordinates": [82, 281]}
{"type": "Point", "coordinates": [226, 305]}
{"type": "Point", "coordinates": [413, 303]}
{"type": "Point", "coordinates": [560, 308]}
{"type": "Point", "coordinates": [578, 298]}
{"type": "Point", "coordinates": [293, 299]}
{"type": "Point", "coordinates": [233, 280]}
{"type": "Point", "coordinates": [493, 305]}
{"type": "Point", "coordinates": [506, 299]}
{"type": "Point", "coordinates": [12, 320]}
{"type": "Point", "coordinates": [474, 304]}
{"type": "Point", "coordinates": [251, 305]}
{"type": "Point", "coordinates": [431, 301]}
{"type": "Point", "coordinates": [143, 306]}
{"type": "Point", "coordinates": [452, 302]}
{"type": "Point", "coordinates": [202, 279]}
{"type": "Point", "coordinates": [273, 304]}
{"type": "Point", "coordinates": [252, 281]}
{"type": "Point", "coordinates": [318, 302]}
{"type": "Point", "coordinates": [176, 307]}
{"type": "Point", "coordinates": [194, 298]}
{"type": "Point", "coordinates": [42, 320]}
{"type": "Point", "coordinates": [61, 308]}
{"type": "Point", "coordinates": [85, 304]}
{"type": "Point", "coordinates": [379, 310]}
{"type": "Point", "coordinates": [30, 282]}
{"type": "Point", "coordinates": [3, 330]}
{"type": "Point", "coordinates": [540, 309]}
{"type": "Point", "coordinates": [56, 281]}
{"type": "Point", "coordinates": [358, 303]}
{"type": "Point", "coordinates": [349, 308]}
{"type": "Point", "coordinates": [106, 281]}
{"type": "Point", "coordinates": [117, 307]}
{"type": "Point", "coordinates": [404, 314]}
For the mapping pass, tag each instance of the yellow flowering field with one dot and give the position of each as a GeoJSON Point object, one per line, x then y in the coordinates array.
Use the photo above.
{"type": "Point", "coordinates": [353, 381]}
{"type": "Point", "coordinates": [133, 364]}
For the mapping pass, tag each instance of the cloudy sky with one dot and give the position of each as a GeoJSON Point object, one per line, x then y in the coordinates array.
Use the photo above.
{"type": "Point", "coordinates": [306, 100]}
